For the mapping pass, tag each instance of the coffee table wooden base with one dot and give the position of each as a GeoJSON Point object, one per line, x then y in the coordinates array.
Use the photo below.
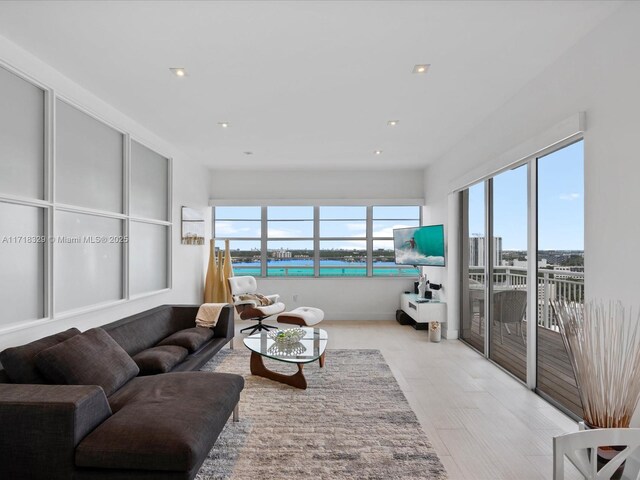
{"type": "Point", "coordinates": [296, 380]}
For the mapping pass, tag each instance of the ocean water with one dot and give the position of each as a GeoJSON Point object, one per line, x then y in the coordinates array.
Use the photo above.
{"type": "Point", "coordinates": [328, 268]}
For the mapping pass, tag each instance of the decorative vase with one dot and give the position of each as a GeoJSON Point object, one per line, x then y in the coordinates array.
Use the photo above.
{"type": "Point", "coordinates": [603, 343]}
{"type": "Point", "coordinates": [606, 454]}
{"type": "Point", "coordinates": [435, 332]}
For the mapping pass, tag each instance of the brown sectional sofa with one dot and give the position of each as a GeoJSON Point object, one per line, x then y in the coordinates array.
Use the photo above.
{"type": "Point", "coordinates": [153, 426]}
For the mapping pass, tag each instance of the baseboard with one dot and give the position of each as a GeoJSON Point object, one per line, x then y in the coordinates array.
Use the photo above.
{"type": "Point", "coordinates": [451, 334]}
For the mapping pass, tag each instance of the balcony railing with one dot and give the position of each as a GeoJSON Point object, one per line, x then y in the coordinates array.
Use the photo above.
{"type": "Point", "coordinates": [552, 285]}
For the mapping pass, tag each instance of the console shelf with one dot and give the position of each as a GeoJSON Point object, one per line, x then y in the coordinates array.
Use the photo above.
{"type": "Point", "coordinates": [423, 312]}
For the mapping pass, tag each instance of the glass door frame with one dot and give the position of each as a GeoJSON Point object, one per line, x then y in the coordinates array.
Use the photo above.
{"type": "Point", "coordinates": [531, 162]}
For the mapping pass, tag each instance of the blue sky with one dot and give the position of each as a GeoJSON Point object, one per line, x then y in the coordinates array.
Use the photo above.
{"type": "Point", "coordinates": [297, 222]}
{"type": "Point", "coordinates": [560, 203]}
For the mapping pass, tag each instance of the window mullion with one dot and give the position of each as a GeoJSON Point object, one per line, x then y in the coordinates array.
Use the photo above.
{"type": "Point", "coordinates": [263, 241]}
{"type": "Point", "coordinates": [316, 241]}
{"type": "Point", "coordinates": [369, 241]}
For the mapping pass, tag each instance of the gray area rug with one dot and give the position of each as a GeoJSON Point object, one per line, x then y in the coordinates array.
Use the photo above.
{"type": "Point", "coordinates": [353, 421]}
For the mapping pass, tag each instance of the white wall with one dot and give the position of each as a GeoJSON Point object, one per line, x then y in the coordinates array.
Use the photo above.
{"type": "Point", "coordinates": [340, 298]}
{"type": "Point", "coordinates": [190, 188]}
{"type": "Point", "coordinates": [283, 186]}
{"type": "Point", "coordinates": [596, 76]}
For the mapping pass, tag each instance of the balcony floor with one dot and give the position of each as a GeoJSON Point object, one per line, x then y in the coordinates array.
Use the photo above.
{"type": "Point", "coordinates": [555, 374]}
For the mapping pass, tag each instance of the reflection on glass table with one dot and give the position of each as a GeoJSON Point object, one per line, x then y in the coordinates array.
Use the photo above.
{"type": "Point", "coordinates": [310, 348]}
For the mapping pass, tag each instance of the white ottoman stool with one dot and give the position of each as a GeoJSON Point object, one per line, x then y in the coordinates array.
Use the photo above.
{"type": "Point", "coordinates": [302, 316]}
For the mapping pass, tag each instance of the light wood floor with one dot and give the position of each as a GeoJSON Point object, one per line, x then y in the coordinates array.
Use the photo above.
{"type": "Point", "coordinates": [484, 424]}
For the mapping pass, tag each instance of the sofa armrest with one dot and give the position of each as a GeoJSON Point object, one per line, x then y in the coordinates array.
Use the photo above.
{"type": "Point", "coordinates": [223, 329]}
{"type": "Point", "coordinates": [225, 326]}
{"type": "Point", "coordinates": [41, 425]}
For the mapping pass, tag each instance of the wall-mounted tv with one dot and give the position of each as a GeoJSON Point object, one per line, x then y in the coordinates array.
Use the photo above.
{"type": "Point", "coordinates": [422, 246]}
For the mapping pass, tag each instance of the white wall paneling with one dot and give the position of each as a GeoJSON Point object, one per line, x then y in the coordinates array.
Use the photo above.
{"type": "Point", "coordinates": [65, 175]}
{"type": "Point", "coordinates": [88, 260]}
{"type": "Point", "coordinates": [149, 183]}
{"type": "Point", "coordinates": [22, 283]}
{"type": "Point", "coordinates": [190, 186]}
{"type": "Point", "coordinates": [89, 161]}
{"type": "Point", "coordinates": [22, 136]}
{"type": "Point", "coordinates": [148, 254]}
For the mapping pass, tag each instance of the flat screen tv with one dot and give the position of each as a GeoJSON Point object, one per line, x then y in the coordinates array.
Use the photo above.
{"type": "Point", "coordinates": [422, 246]}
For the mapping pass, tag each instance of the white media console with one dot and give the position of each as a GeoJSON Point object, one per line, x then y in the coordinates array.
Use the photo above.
{"type": "Point", "coordinates": [424, 311]}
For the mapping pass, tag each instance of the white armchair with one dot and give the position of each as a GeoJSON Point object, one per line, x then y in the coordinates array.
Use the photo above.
{"type": "Point", "coordinates": [252, 309]}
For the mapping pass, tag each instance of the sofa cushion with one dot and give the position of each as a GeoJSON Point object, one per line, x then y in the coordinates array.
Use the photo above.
{"type": "Point", "coordinates": [191, 338]}
{"type": "Point", "coordinates": [162, 422]}
{"type": "Point", "coordinates": [159, 359]}
{"type": "Point", "coordinates": [145, 329]}
{"type": "Point", "coordinates": [91, 358]}
{"type": "Point", "coordinates": [19, 362]}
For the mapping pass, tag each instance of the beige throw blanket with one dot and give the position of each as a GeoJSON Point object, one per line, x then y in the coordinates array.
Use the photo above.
{"type": "Point", "coordinates": [208, 314]}
{"type": "Point", "coordinates": [256, 297]}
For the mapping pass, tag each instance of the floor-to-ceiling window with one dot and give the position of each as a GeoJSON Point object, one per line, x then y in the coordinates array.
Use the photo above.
{"type": "Point", "coordinates": [560, 265]}
{"type": "Point", "coordinates": [528, 215]}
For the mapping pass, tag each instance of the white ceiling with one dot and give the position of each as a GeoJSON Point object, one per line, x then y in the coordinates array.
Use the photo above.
{"type": "Point", "coordinates": [304, 84]}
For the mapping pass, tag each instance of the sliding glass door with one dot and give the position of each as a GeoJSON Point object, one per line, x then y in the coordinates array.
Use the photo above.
{"type": "Point", "coordinates": [509, 249]}
{"type": "Point", "coordinates": [531, 214]}
{"type": "Point", "coordinates": [560, 266]}
{"type": "Point", "coordinates": [473, 264]}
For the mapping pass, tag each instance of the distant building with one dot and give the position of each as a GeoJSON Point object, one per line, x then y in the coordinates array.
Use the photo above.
{"type": "Point", "coordinates": [477, 251]}
{"type": "Point", "coordinates": [566, 269]}
{"type": "Point", "coordinates": [282, 253]}
{"type": "Point", "coordinates": [525, 263]}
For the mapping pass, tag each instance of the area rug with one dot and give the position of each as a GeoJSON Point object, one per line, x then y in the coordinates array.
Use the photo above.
{"type": "Point", "coordinates": [352, 421]}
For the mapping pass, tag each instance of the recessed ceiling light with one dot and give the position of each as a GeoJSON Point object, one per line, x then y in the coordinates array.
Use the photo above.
{"type": "Point", "coordinates": [224, 124]}
{"type": "Point", "coordinates": [393, 123]}
{"type": "Point", "coordinates": [421, 68]}
{"type": "Point", "coordinates": [377, 152]}
{"type": "Point", "coordinates": [179, 71]}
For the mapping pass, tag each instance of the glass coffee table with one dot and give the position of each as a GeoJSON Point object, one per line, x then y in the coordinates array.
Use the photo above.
{"type": "Point", "coordinates": [309, 349]}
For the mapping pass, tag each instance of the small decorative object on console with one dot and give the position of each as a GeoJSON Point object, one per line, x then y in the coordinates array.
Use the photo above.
{"type": "Point", "coordinates": [289, 336]}
{"type": "Point", "coordinates": [422, 285]}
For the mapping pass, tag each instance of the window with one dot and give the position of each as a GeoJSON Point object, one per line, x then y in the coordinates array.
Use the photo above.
{"type": "Point", "coordinates": [243, 226]}
{"type": "Point", "coordinates": [308, 241]}
{"type": "Point", "coordinates": [343, 241]}
{"type": "Point", "coordinates": [385, 220]}
{"type": "Point", "coordinates": [290, 242]}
